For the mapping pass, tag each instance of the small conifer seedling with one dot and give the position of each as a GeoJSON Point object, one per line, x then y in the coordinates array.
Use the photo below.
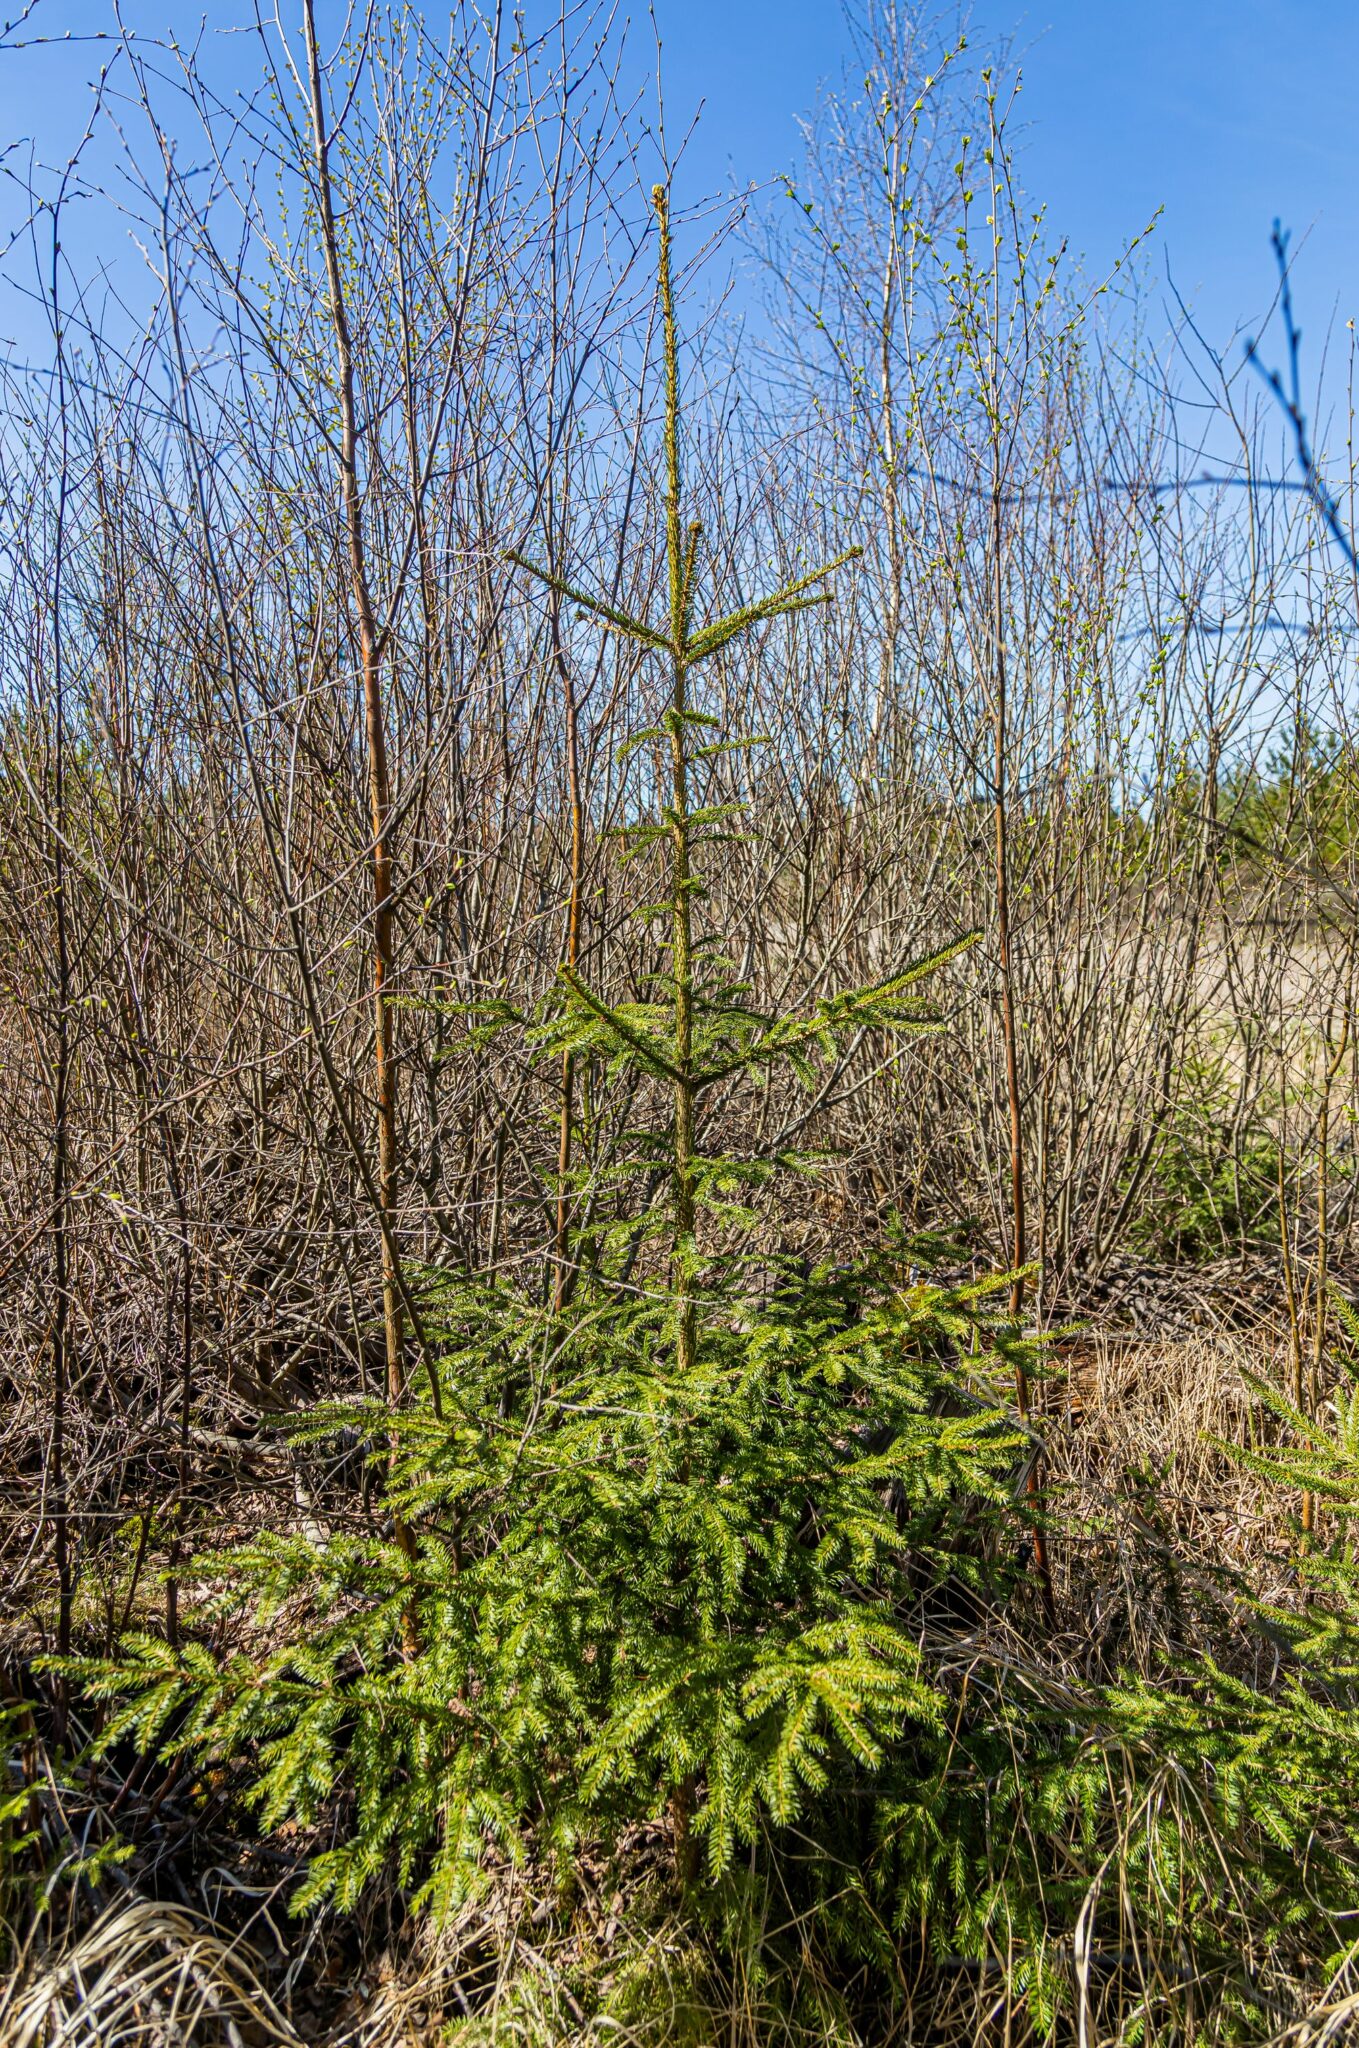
{"type": "Point", "coordinates": [679, 1534]}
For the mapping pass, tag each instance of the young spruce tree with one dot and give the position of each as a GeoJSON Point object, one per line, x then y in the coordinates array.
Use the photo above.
{"type": "Point", "coordinates": [676, 1535]}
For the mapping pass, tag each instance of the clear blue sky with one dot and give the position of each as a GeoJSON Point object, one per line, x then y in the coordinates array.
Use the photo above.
{"type": "Point", "coordinates": [1224, 112]}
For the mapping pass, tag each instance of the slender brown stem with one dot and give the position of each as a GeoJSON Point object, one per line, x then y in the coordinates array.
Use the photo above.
{"type": "Point", "coordinates": [1019, 1250]}
{"type": "Point", "coordinates": [1323, 1248]}
{"type": "Point", "coordinates": [681, 962]}
{"type": "Point", "coordinates": [564, 1267]}
{"type": "Point", "coordinates": [61, 1249]}
{"type": "Point", "coordinates": [379, 783]}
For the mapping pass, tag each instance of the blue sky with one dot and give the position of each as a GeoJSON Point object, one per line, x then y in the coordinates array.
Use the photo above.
{"type": "Point", "coordinates": [1223, 114]}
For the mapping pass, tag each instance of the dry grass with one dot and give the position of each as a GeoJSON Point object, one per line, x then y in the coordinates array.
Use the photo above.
{"type": "Point", "coordinates": [145, 1975]}
{"type": "Point", "coordinates": [1148, 1409]}
{"type": "Point", "coordinates": [1161, 1538]}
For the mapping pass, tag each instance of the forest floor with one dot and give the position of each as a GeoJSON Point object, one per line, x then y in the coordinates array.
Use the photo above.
{"type": "Point", "coordinates": [189, 1940]}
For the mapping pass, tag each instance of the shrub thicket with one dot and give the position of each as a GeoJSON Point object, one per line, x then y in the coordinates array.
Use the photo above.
{"type": "Point", "coordinates": [710, 1537]}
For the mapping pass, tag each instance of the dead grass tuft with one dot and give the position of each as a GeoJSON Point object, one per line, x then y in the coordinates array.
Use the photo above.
{"type": "Point", "coordinates": [144, 1975]}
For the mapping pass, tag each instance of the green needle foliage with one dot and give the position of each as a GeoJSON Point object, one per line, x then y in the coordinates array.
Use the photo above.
{"type": "Point", "coordinates": [634, 1588]}
{"type": "Point", "coordinates": [1319, 1456]}
{"type": "Point", "coordinates": [676, 1537]}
